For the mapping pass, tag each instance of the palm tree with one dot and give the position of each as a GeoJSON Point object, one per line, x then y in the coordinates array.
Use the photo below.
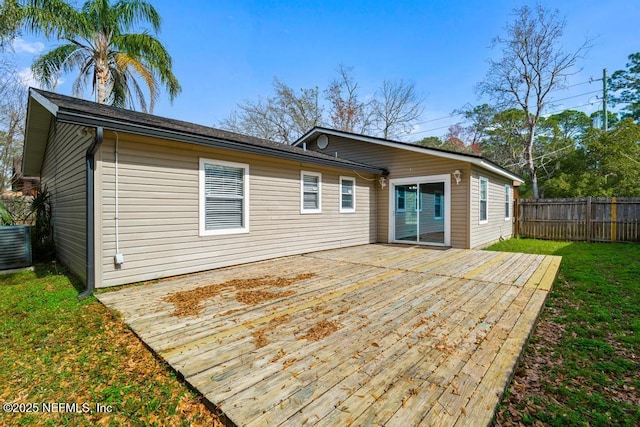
{"type": "Point", "coordinates": [100, 44]}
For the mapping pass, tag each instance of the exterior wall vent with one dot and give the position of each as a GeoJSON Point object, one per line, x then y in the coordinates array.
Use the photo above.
{"type": "Point", "coordinates": [15, 247]}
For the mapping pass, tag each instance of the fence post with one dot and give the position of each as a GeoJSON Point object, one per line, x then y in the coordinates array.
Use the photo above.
{"type": "Point", "coordinates": [587, 220]}
{"type": "Point", "coordinates": [614, 219]}
{"type": "Point", "coordinates": [516, 213]}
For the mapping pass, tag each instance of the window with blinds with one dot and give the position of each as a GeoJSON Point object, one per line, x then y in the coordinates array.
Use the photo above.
{"type": "Point", "coordinates": [223, 197]}
{"type": "Point", "coordinates": [311, 192]}
{"type": "Point", "coordinates": [347, 194]}
{"type": "Point", "coordinates": [484, 202]}
{"type": "Point", "coordinates": [507, 202]}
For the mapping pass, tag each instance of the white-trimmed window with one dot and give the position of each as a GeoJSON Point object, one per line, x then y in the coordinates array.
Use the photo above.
{"type": "Point", "coordinates": [347, 194]}
{"type": "Point", "coordinates": [401, 200]}
{"type": "Point", "coordinates": [224, 197]}
{"type": "Point", "coordinates": [437, 205]}
{"type": "Point", "coordinates": [310, 192]}
{"type": "Point", "coordinates": [483, 198]}
{"type": "Point", "coordinates": [507, 202]}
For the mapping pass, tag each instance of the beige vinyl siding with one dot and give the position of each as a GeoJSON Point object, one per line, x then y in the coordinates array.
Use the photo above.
{"type": "Point", "coordinates": [63, 174]}
{"type": "Point", "coordinates": [404, 164]}
{"type": "Point", "coordinates": [158, 211]}
{"type": "Point", "coordinates": [496, 227]}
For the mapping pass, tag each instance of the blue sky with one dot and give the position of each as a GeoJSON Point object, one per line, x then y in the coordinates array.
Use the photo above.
{"type": "Point", "coordinates": [226, 51]}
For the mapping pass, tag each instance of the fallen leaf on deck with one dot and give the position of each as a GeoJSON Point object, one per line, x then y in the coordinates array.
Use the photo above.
{"type": "Point", "coordinates": [288, 362]}
{"type": "Point", "coordinates": [321, 330]}
{"type": "Point", "coordinates": [189, 303]}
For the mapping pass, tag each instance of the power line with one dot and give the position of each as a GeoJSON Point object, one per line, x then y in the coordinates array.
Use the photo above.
{"type": "Point", "coordinates": [471, 121]}
{"type": "Point", "coordinates": [569, 108]}
{"type": "Point", "coordinates": [579, 84]}
{"type": "Point", "coordinates": [449, 116]}
{"type": "Point", "coordinates": [575, 96]}
{"type": "Point", "coordinates": [439, 118]}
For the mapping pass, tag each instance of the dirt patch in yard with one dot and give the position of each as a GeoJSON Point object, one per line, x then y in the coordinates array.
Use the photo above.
{"type": "Point", "coordinates": [189, 303]}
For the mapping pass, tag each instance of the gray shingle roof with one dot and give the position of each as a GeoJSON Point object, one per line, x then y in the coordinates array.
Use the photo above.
{"type": "Point", "coordinates": [79, 111]}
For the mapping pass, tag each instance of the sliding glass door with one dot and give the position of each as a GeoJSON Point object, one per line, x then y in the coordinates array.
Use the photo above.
{"type": "Point", "coordinates": [419, 211]}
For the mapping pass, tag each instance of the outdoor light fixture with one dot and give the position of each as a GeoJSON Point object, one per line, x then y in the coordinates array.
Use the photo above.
{"type": "Point", "coordinates": [383, 181]}
{"type": "Point", "coordinates": [457, 174]}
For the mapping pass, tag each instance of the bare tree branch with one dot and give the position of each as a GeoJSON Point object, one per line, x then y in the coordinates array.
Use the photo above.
{"type": "Point", "coordinates": [288, 114]}
{"type": "Point", "coordinates": [396, 108]}
{"type": "Point", "coordinates": [13, 112]}
{"type": "Point", "coordinates": [533, 64]}
{"type": "Point", "coordinates": [346, 111]}
{"type": "Point", "coordinates": [283, 117]}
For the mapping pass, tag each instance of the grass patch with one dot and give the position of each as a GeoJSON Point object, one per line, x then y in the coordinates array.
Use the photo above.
{"type": "Point", "coordinates": [582, 364]}
{"type": "Point", "coordinates": [56, 349]}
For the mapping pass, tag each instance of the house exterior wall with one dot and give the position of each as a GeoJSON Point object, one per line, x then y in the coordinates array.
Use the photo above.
{"type": "Point", "coordinates": [404, 164]}
{"type": "Point", "coordinates": [63, 175]}
{"type": "Point", "coordinates": [159, 211]}
{"type": "Point", "coordinates": [496, 226]}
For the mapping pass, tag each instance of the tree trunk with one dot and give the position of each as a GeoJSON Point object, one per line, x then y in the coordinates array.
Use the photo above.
{"type": "Point", "coordinates": [534, 183]}
{"type": "Point", "coordinates": [8, 152]}
{"type": "Point", "coordinates": [102, 81]}
{"type": "Point", "coordinates": [533, 175]}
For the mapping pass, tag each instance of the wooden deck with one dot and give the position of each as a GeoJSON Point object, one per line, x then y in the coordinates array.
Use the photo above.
{"type": "Point", "coordinates": [424, 336]}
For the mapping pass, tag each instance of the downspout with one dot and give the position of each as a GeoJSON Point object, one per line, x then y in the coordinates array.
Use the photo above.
{"type": "Point", "coordinates": [90, 205]}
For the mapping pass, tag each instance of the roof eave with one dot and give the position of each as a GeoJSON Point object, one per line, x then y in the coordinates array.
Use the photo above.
{"type": "Point", "coordinates": [74, 117]}
{"type": "Point", "coordinates": [40, 112]}
{"type": "Point", "coordinates": [306, 136]}
{"type": "Point", "coordinates": [500, 171]}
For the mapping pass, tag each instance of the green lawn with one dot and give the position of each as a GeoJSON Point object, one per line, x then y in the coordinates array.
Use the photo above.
{"type": "Point", "coordinates": [55, 349]}
{"type": "Point", "coordinates": [582, 365]}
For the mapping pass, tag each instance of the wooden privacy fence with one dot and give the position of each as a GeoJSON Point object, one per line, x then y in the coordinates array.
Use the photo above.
{"type": "Point", "coordinates": [591, 219]}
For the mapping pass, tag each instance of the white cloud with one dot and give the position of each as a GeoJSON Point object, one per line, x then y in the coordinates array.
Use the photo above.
{"type": "Point", "coordinates": [416, 128]}
{"type": "Point", "coordinates": [21, 46]}
{"type": "Point", "coordinates": [28, 79]}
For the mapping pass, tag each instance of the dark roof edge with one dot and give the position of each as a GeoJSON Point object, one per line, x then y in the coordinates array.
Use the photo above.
{"type": "Point", "coordinates": [380, 139]}
{"type": "Point", "coordinates": [473, 158]}
{"type": "Point", "coordinates": [71, 117]}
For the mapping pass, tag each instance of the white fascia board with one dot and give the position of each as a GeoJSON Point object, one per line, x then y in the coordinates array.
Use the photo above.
{"type": "Point", "coordinates": [39, 111]}
{"type": "Point", "coordinates": [488, 166]}
{"type": "Point", "coordinates": [50, 106]}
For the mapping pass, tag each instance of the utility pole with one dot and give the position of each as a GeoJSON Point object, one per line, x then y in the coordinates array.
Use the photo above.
{"type": "Point", "coordinates": [605, 124]}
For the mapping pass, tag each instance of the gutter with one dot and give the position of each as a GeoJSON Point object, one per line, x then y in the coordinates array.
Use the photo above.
{"type": "Point", "coordinates": [90, 206]}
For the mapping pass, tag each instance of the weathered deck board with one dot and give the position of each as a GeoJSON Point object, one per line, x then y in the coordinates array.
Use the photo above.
{"type": "Point", "coordinates": [426, 336]}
